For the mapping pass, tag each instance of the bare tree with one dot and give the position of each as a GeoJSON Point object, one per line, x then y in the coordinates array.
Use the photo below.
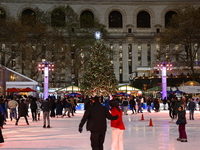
{"type": "Point", "coordinates": [180, 40]}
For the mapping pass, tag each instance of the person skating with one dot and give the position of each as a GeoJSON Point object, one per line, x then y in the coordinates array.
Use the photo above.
{"type": "Point", "coordinates": [1, 136]}
{"type": "Point", "coordinates": [33, 107]}
{"type": "Point", "coordinates": [96, 116]}
{"type": "Point", "coordinates": [191, 108]}
{"type": "Point", "coordinates": [39, 109]}
{"type": "Point", "coordinates": [133, 105]}
{"type": "Point", "coordinates": [46, 108]}
{"type": "Point", "coordinates": [117, 126]}
{"type": "Point", "coordinates": [181, 122]}
{"type": "Point", "coordinates": [12, 105]}
{"type": "Point", "coordinates": [22, 111]}
{"type": "Point", "coordinates": [68, 108]}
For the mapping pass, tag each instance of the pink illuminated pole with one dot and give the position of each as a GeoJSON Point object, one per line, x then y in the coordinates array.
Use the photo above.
{"type": "Point", "coordinates": [164, 82]}
{"type": "Point", "coordinates": [164, 67]}
{"type": "Point", "coordinates": [46, 81]}
{"type": "Point", "coordinates": [46, 67]}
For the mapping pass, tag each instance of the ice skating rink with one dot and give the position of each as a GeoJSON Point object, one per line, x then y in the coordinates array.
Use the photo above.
{"type": "Point", "coordinates": [64, 135]}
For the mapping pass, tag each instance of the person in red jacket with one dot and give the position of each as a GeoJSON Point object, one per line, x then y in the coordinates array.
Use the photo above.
{"type": "Point", "coordinates": [117, 126]}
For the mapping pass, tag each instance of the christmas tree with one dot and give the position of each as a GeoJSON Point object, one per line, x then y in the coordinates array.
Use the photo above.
{"type": "Point", "coordinates": [99, 78]}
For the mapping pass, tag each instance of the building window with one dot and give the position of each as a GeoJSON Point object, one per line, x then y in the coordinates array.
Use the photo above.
{"type": "Point", "coordinates": [158, 52]}
{"type": "Point", "coordinates": [143, 20]}
{"type": "Point", "coordinates": [139, 55]}
{"type": "Point", "coordinates": [87, 19]}
{"type": "Point", "coordinates": [58, 18]}
{"type": "Point", "coordinates": [2, 15]}
{"type": "Point", "coordinates": [168, 17]}
{"type": "Point", "coordinates": [196, 56]}
{"type": "Point", "coordinates": [149, 54]}
{"type": "Point", "coordinates": [115, 19]}
{"type": "Point", "coordinates": [167, 52]}
{"type": "Point", "coordinates": [28, 18]}
{"type": "Point", "coordinates": [130, 58]}
{"type": "Point", "coordinates": [111, 48]}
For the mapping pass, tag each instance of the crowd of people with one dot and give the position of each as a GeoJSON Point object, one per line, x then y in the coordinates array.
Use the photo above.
{"type": "Point", "coordinates": [115, 108]}
{"type": "Point", "coordinates": [19, 107]}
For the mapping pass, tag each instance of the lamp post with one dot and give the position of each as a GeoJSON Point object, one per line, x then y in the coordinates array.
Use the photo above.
{"type": "Point", "coordinates": [46, 67]}
{"type": "Point", "coordinates": [164, 67]}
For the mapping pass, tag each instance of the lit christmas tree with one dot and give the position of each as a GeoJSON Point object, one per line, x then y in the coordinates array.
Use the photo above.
{"type": "Point", "coordinates": [99, 78]}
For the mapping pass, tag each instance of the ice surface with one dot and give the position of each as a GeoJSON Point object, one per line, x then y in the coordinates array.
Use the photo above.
{"type": "Point", "coordinates": [64, 133]}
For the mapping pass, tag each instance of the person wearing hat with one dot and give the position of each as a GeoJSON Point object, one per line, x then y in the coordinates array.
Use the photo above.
{"type": "Point", "coordinates": [96, 116]}
{"type": "Point", "coordinates": [181, 122]}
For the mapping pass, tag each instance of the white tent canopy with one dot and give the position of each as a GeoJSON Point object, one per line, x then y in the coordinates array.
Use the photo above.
{"type": "Point", "coordinates": [190, 87]}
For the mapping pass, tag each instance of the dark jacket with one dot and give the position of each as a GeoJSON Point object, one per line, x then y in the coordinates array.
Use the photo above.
{"type": "Point", "coordinates": [132, 103]}
{"type": "Point", "coordinates": [1, 124]}
{"type": "Point", "coordinates": [33, 105]}
{"type": "Point", "coordinates": [192, 106]}
{"type": "Point", "coordinates": [96, 116]}
{"type": "Point", "coordinates": [181, 118]}
{"type": "Point", "coordinates": [45, 105]}
{"type": "Point", "coordinates": [149, 101]}
{"type": "Point", "coordinates": [22, 110]}
{"type": "Point", "coordinates": [125, 102]}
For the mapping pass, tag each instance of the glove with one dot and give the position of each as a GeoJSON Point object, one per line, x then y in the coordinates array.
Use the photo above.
{"type": "Point", "coordinates": [80, 129]}
{"type": "Point", "coordinates": [177, 122]}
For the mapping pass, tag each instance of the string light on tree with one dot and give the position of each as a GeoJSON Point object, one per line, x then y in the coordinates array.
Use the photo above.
{"type": "Point", "coordinates": [97, 35]}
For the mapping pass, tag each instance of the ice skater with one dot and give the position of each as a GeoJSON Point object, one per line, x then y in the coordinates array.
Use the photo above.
{"type": "Point", "coordinates": [181, 122]}
{"type": "Point", "coordinates": [117, 126]}
{"type": "Point", "coordinates": [1, 136]}
{"type": "Point", "coordinates": [46, 109]}
{"type": "Point", "coordinates": [95, 116]}
{"type": "Point", "coordinates": [22, 111]}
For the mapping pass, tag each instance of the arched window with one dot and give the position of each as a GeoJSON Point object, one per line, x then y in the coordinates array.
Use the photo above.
{"type": "Point", "coordinates": [87, 19]}
{"type": "Point", "coordinates": [143, 20]}
{"type": "Point", "coordinates": [168, 17]}
{"type": "Point", "coordinates": [115, 19]}
{"type": "Point", "coordinates": [2, 15]}
{"type": "Point", "coordinates": [58, 18]}
{"type": "Point", "coordinates": [28, 17]}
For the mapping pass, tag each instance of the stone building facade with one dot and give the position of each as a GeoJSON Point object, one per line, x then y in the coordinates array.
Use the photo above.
{"type": "Point", "coordinates": [133, 26]}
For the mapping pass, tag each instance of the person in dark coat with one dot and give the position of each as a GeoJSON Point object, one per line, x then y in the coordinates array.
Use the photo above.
{"type": "Point", "coordinates": [46, 108]}
{"type": "Point", "coordinates": [181, 122]}
{"type": "Point", "coordinates": [59, 108]}
{"type": "Point", "coordinates": [132, 105]}
{"type": "Point", "coordinates": [96, 115]}
{"type": "Point", "coordinates": [2, 112]}
{"type": "Point", "coordinates": [156, 104]}
{"type": "Point", "coordinates": [68, 108]}
{"type": "Point", "coordinates": [1, 136]}
{"type": "Point", "coordinates": [52, 108]}
{"type": "Point", "coordinates": [22, 111]}
{"type": "Point", "coordinates": [164, 103]}
{"type": "Point", "coordinates": [33, 107]}
{"type": "Point", "coordinates": [191, 108]}
{"type": "Point", "coordinates": [2, 103]}
{"type": "Point", "coordinates": [178, 103]}
{"type": "Point", "coordinates": [149, 101]}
